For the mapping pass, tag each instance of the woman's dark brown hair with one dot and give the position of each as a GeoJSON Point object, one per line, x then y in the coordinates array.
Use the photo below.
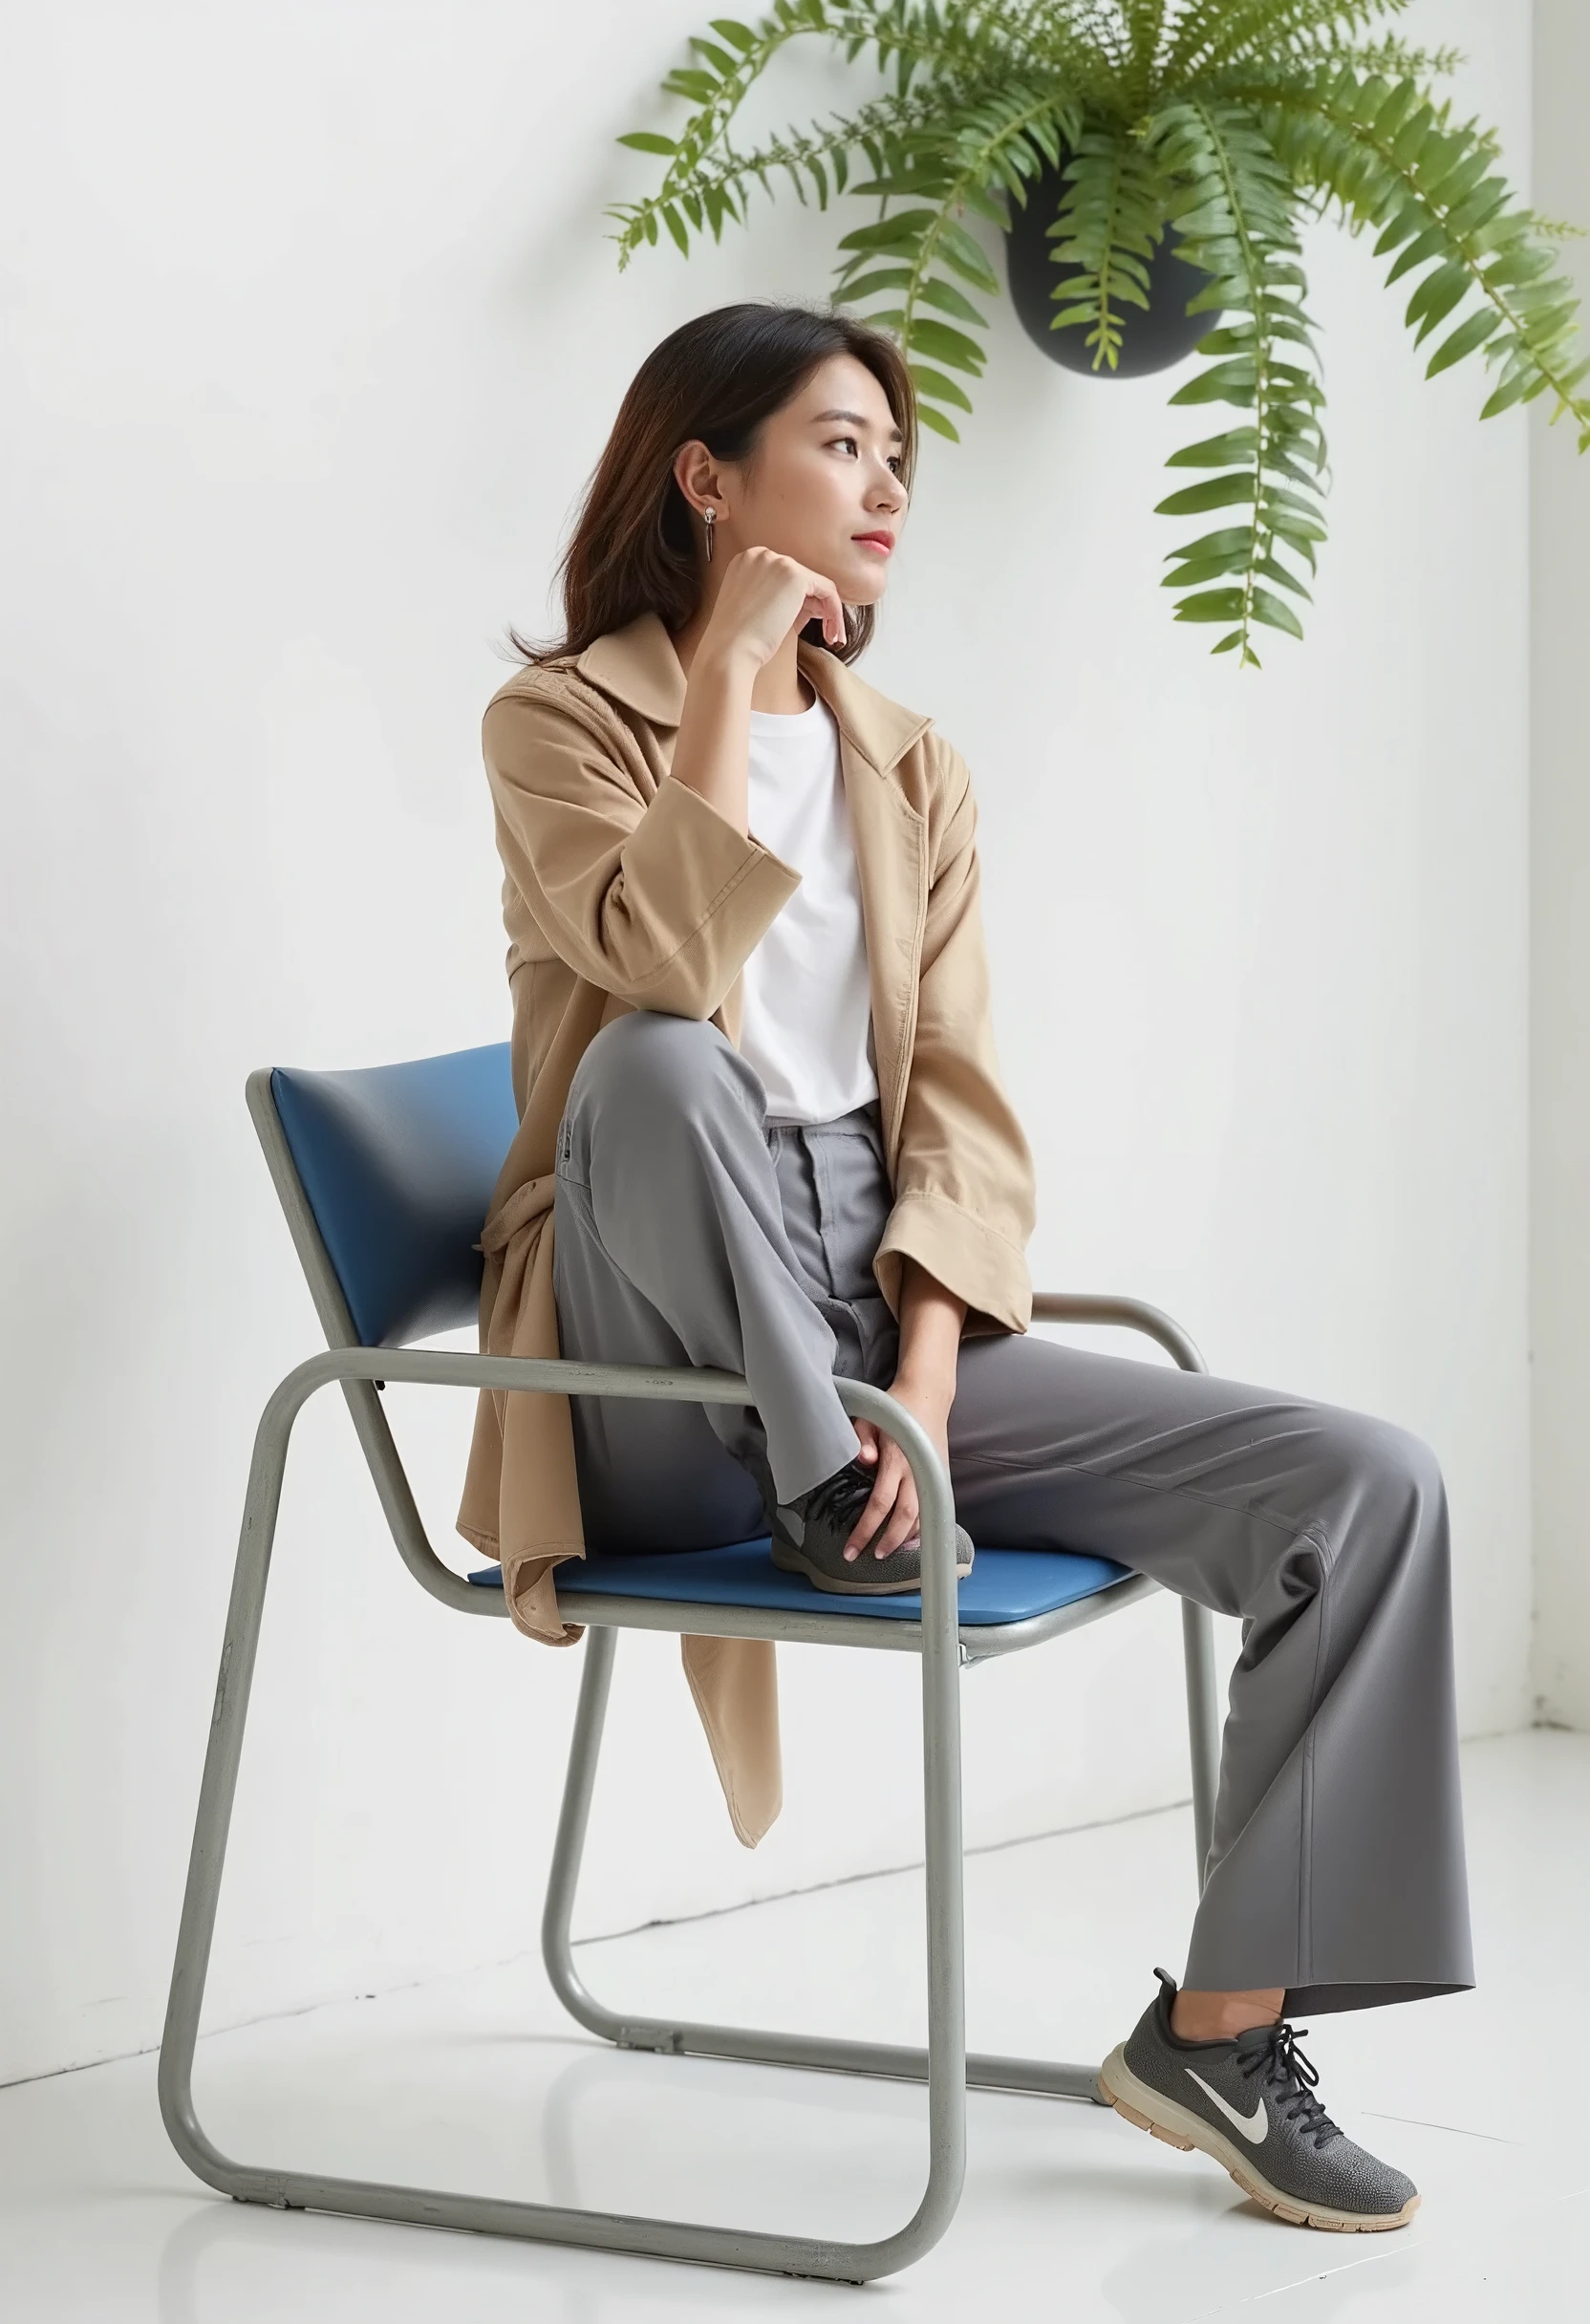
{"type": "Point", "coordinates": [718, 377]}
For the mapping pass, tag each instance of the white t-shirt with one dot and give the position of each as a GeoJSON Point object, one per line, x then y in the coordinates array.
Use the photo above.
{"type": "Point", "coordinates": [807, 1021]}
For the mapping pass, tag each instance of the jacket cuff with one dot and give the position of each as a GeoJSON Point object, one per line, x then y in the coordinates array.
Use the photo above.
{"type": "Point", "coordinates": [961, 1251]}
{"type": "Point", "coordinates": [724, 892]}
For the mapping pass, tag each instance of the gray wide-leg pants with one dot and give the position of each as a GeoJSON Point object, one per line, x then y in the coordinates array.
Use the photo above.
{"type": "Point", "coordinates": [688, 1229]}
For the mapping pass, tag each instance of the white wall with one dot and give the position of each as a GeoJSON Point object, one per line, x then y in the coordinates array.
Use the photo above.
{"type": "Point", "coordinates": [311, 338]}
{"type": "Point", "coordinates": [1559, 1288]}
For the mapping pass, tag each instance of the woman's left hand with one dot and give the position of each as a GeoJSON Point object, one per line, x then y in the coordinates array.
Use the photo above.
{"type": "Point", "coordinates": [894, 1489]}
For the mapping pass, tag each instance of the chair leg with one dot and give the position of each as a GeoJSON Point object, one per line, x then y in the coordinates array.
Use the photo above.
{"type": "Point", "coordinates": [217, 1791]}
{"type": "Point", "coordinates": [679, 2037]}
{"type": "Point", "coordinates": [943, 2065]}
{"type": "Point", "coordinates": [282, 2189]}
{"type": "Point", "coordinates": [1203, 1723]}
{"type": "Point", "coordinates": [569, 1848]}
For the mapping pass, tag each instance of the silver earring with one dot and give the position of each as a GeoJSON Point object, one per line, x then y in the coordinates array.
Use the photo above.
{"type": "Point", "coordinates": [709, 517]}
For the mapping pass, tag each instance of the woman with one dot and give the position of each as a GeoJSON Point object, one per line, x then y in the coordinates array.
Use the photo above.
{"type": "Point", "coordinates": [764, 1129]}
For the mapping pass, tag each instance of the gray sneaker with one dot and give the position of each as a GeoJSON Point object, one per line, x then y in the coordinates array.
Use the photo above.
{"type": "Point", "coordinates": [1251, 2104]}
{"type": "Point", "coordinates": [809, 1533]}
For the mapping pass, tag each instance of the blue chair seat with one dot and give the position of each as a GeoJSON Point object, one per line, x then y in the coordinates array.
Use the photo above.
{"type": "Point", "coordinates": [1003, 1585]}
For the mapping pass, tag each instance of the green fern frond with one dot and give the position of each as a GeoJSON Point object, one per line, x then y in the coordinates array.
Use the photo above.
{"type": "Point", "coordinates": [818, 163]}
{"type": "Point", "coordinates": [1392, 59]}
{"type": "Point", "coordinates": [1080, 42]}
{"type": "Point", "coordinates": [1396, 158]}
{"type": "Point", "coordinates": [1110, 222]}
{"type": "Point", "coordinates": [945, 35]}
{"type": "Point", "coordinates": [1557, 229]}
{"type": "Point", "coordinates": [908, 255]}
{"type": "Point", "coordinates": [717, 86]}
{"type": "Point", "coordinates": [1233, 215]}
{"type": "Point", "coordinates": [707, 179]}
{"type": "Point", "coordinates": [1214, 32]}
{"type": "Point", "coordinates": [1144, 25]}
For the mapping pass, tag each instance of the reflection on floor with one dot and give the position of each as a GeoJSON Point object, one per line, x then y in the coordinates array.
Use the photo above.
{"type": "Point", "coordinates": [1068, 2212]}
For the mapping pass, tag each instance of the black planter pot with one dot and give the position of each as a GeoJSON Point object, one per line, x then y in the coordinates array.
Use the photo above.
{"type": "Point", "coordinates": [1151, 338]}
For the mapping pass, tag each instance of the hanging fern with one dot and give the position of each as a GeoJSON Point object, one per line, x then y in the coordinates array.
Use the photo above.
{"type": "Point", "coordinates": [1226, 124]}
{"type": "Point", "coordinates": [1232, 212]}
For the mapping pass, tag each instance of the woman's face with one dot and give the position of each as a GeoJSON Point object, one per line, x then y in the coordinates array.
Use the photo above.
{"type": "Point", "coordinates": [821, 486]}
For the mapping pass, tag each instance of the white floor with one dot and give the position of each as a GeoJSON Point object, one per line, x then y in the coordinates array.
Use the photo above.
{"type": "Point", "coordinates": [480, 2083]}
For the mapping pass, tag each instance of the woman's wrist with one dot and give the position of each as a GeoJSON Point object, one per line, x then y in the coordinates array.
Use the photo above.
{"type": "Point", "coordinates": [928, 1387]}
{"type": "Point", "coordinates": [930, 1320]}
{"type": "Point", "coordinates": [725, 662]}
{"type": "Point", "coordinates": [711, 747]}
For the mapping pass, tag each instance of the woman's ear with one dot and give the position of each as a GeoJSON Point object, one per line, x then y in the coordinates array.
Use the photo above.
{"type": "Point", "coordinates": [696, 474]}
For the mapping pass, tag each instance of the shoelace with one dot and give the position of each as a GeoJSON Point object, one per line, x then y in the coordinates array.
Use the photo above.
{"type": "Point", "coordinates": [844, 1495]}
{"type": "Point", "coordinates": [1284, 2066]}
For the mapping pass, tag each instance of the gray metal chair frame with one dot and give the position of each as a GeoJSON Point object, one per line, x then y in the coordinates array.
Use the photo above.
{"type": "Point", "coordinates": [942, 1643]}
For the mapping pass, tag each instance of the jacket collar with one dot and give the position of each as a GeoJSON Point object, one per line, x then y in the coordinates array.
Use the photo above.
{"type": "Point", "coordinates": [637, 666]}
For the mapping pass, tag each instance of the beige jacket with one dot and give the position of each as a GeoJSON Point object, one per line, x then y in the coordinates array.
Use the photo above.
{"type": "Point", "coordinates": [626, 891]}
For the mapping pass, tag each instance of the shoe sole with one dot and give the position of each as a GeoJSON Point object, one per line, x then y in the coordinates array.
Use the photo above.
{"type": "Point", "coordinates": [789, 1561]}
{"type": "Point", "coordinates": [1162, 2117]}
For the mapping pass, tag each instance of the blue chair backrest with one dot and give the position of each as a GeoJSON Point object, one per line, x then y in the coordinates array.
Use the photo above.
{"type": "Point", "coordinates": [397, 1164]}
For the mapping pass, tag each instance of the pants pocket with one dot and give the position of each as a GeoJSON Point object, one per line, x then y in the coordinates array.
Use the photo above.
{"type": "Point", "coordinates": [571, 1174]}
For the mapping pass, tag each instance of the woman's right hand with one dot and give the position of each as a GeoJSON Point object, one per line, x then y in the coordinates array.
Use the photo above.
{"type": "Point", "coordinates": [760, 598]}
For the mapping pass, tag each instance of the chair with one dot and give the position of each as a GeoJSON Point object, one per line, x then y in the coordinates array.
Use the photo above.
{"type": "Point", "coordinates": [384, 1175]}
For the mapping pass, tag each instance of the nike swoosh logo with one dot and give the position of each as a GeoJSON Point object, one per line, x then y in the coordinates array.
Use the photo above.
{"type": "Point", "coordinates": [1255, 2127]}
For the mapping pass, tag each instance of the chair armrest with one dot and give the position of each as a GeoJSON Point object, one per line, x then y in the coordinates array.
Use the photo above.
{"type": "Point", "coordinates": [358, 1369]}
{"type": "Point", "coordinates": [1131, 1315]}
